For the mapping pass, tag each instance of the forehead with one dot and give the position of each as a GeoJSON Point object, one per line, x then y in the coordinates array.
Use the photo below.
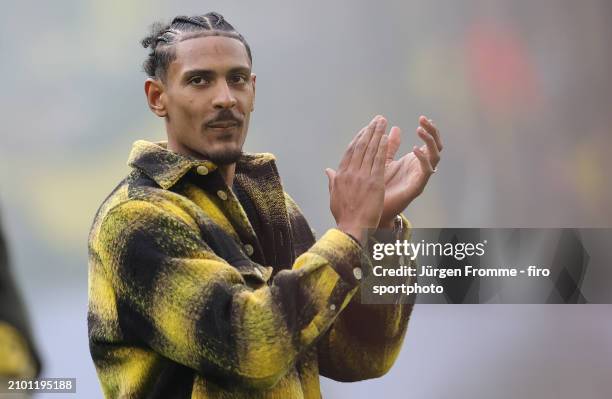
{"type": "Point", "coordinates": [209, 52]}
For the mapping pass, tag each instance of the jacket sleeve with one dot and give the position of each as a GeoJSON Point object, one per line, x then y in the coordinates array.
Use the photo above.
{"type": "Point", "coordinates": [151, 267]}
{"type": "Point", "coordinates": [17, 355]}
{"type": "Point", "coordinates": [364, 341]}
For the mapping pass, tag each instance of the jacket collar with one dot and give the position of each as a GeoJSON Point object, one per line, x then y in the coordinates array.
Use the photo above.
{"type": "Point", "coordinates": [166, 167]}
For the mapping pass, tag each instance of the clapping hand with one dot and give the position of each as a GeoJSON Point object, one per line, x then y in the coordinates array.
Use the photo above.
{"type": "Point", "coordinates": [406, 178]}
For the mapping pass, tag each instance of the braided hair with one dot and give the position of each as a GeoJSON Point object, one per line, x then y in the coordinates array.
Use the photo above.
{"type": "Point", "coordinates": [162, 38]}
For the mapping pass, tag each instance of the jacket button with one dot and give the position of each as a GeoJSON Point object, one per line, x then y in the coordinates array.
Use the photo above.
{"type": "Point", "coordinates": [202, 170]}
{"type": "Point", "coordinates": [357, 273]}
{"type": "Point", "coordinates": [248, 248]}
{"type": "Point", "coordinates": [332, 306]}
{"type": "Point", "coordinates": [221, 194]}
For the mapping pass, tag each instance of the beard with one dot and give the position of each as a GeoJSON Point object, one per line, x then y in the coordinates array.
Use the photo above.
{"type": "Point", "coordinates": [225, 157]}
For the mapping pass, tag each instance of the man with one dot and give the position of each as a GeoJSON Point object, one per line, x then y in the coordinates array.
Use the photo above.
{"type": "Point", "coordinates": [18, 357]}
{"type": "Point", "coordinates": [205, 280]}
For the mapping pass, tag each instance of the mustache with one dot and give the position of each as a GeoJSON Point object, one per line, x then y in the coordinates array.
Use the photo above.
{"type": "Point", "coordinates": [225, 115]}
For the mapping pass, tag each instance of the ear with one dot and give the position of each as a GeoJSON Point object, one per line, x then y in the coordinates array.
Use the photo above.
{"type": "Point", "coordinates": [253, 79]}
{"type": "Point", "coordinates": [156, 96]}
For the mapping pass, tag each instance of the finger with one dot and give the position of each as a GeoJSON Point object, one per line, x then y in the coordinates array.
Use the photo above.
{"type": "Point", "coordinates": [379, 130]}
{"type": "Point", "coordinates": [431, 129]}
{"type": "Point", "coordinates": [423, 160]}
{"type": "Point", "coordinates": [392, 169]}
{"type": "Point", "coordinates": [393, 144]}
{"type": "Point", "coordinates": [378, 167]}
{"type": "Point", "coordinates": [346, 158]}
{"type": "Point", "coordinates": [432, 148]}
{"type": "Point", "coordinates": [362, 144]}
{"type": "Point", "coordinates": [331, 175]}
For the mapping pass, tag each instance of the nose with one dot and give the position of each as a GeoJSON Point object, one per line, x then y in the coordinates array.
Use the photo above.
{"type": "Point", "coordinates": [224, 98]}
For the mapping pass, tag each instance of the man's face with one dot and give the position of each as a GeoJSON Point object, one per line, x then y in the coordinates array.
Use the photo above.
{"type": "Point", "coordinates": [208, 97]}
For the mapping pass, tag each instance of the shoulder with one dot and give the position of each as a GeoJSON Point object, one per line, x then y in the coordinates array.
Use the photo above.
{"type": "Point", "coordinates": [292, 206]}
{"type": "Point", "coordinates": [138, 199]}
{"type": "Point", "coordinates": [256, 159]}
{"type": "Point", "coordinates": [303, 235]}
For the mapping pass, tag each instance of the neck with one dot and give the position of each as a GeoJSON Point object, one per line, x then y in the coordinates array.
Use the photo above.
{"type": "Point", "coordinates": [228, 172]}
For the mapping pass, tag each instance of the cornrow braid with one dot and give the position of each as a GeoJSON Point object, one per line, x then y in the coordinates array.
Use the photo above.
{"type": "Point", "coordinates": [162, 37]}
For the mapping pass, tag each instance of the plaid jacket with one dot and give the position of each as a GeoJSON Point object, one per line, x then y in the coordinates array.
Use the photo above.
{"type": "Point", "coordinates": [201, 291]}
{"type": "Point", "coordinates": [18, 357]}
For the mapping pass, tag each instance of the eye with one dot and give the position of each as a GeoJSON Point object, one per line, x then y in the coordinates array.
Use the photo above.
{"type": "Point", "coordinates": [238, 79]}
{"type": "Point", "coordinates": [198, 81]}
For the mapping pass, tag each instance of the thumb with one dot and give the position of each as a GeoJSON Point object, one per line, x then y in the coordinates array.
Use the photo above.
{"type": "Point", "coordinates": [393, 144]}
{"type": "Point", "coordinates": [331, 175]}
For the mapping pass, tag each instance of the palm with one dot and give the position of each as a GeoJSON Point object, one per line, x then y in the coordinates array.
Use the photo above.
{"type": "Point", "coordinates": [406, 178]}
{"type": "Point", "coordinates": [404, 181]}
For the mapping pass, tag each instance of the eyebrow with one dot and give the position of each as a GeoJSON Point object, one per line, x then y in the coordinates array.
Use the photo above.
{"type": "Point", "coordinates": [209, 72]}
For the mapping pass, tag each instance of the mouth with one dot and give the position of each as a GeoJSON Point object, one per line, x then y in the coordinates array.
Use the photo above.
{"type": "Point", "coordinates": [223, 125]}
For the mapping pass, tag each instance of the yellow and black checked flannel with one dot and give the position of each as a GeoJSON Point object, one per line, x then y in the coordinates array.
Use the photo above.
{"type": "Point", "coordinates": [18, 357]}
{"type": "Point", "coordinates": [197, 290]}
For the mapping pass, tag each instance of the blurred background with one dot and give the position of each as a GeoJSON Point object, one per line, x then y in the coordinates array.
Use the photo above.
{"type": "Point", "coordinates": [521, 92]}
